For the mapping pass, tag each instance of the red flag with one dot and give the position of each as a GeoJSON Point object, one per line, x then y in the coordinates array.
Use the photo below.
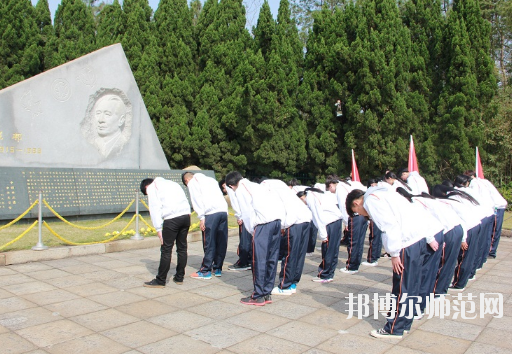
{"type": "Point", "coordinates": [355, 172]}
{"type": "Point", "coordinates": [413, 161]}
{"type": "Point", "coordinates": [478, 165]}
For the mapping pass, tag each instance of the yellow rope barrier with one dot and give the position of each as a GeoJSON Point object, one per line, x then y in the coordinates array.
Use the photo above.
{"type": "Point", "coordinates": [144, 203]}
{"type": "Point", "coordinates": [88, 227]}
{"type": "Point", "coordinates": [88, 243]}
{"type": "Point", "coordinates": [19, 217]}
{"type": "Point", "coordinates": [144, 221]}
{"type": "Point", "coordinates": [20, 236]}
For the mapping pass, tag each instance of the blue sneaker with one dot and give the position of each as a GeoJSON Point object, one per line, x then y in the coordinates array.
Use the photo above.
{"type": "Point", "coordinates": [218, 272]}
{"type": "Point", "coordinates": [293, 288]}
{"type": "Point", "coordinates": [201, 275]}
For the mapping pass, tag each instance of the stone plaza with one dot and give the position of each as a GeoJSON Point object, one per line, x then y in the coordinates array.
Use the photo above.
{"type": "Point", "coordinates": [97, 304]}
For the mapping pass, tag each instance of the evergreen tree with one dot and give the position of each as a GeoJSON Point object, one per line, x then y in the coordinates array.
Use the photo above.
{"type": "Point", "coordinates": [425, 23]}
{"type": "Point", "coordinates": [19, 42]}
{"type": "Point", "coordinates": [74, 32]}
{"type": "Point", "coordinates": [458, 117]}
{"type": "Point", "coordinates": [44, 24]}
{"type": "Point", "coordinates": [264, 30]}
{"type": "Point", "coordinates": [110, 27]}
{"type": "Point", "coordinates": [138, 32]}
{"type": "Point", "coordinates": [174, 33]}
{"type": "Point", "coordinates": [223, 43]}
{"type": "Point", "coordinates": [282, 133]}
{"type": "Point", "coordinates": [378, 119]}
{"type": "Point", "coordinates": [319, 91]}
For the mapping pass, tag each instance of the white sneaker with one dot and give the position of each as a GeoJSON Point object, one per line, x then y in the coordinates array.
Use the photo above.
{"type": "Point", "coordinates": [451, 288]}
{"type": "Point", "coordinates": [472, 278]}
{"type": "Point", "coordinates": [346, 271]}
{"type": "Point", "coordinates": [372, 264]}
{"type": "Point", "coordinates": [319, 248]}
{"type": "Point", "coordinates": [278, 291]}
{"type": "Point", "coordinates": [381, 333]}
{"type": "Point", "coordinates": [309, 254]}
{"type": "Point", "coordinates": [418, 316]}
{"type": "Point", "coordinates": [320, 280]}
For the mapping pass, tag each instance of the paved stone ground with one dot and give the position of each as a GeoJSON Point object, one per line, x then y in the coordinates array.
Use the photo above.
{"type": "Point", "coordinates": [96, 304]}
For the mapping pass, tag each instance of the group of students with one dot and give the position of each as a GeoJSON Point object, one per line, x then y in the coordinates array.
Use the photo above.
{"type": "Point", "coordinates": [436, 241]}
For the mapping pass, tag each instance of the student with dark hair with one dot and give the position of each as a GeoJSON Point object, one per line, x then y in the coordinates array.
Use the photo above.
{"type": "Point", "coordinates": [500, 204]}
{"type": "Point", "coordinates": [466, 208]}
{"type": "Point", "coordinates": [170, 215]}
{"type": "Point", "coordinates": [445, 257]}
{"type": "Point", "coordinates": [295, 233]}
{"type": "Point", "coordinates": [392, 182]}
{"type": "Point", "coordinates": [486, 204]}
{"type": "Point", "coordinates": [413, 179]}
{"type": "Point", "coordinates": [262, 213]}
{"type": "Point", "coordinates": [212, 211]}
{"type": "Point", "coordinates": [403, 236]}
{"type": "Point", "coordinates": [374, 238]}
{"type": "Point", "coordinates": [327, 219]}
{"type": "Point", "coordinates": [243, 251]}
{"type": "Point", "coordinates": [356, 225]}
{"type": "Point", "coordinates": [294, 185]}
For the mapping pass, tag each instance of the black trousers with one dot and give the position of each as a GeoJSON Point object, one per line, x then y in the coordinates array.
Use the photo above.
{"type": "Point", "coordinates": [174, 230]}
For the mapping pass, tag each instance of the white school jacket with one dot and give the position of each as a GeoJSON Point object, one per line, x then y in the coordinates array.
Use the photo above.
{"type": "Point", "coordinates": [441, 211]}
{"type": "Point", "coordinates": [206, 196]}
{"type": "Point", "coordinates": [486, 206]}
{"type": "Point", "coordinates": [401, 223]}
{"type": "Point", "coordinates": [358, 185]}
{"type": "Point", "coordinates": [485, 187]}
{"type": "Point", "coordinates": [417, 183]}
{"type": "Point", "coordinates": [342, 190]}
{"type": "Point", "coordinates": [234, 203]}
{"type": "Point", "coordinates": [296, 211]}
{"type": "Point", "coordinates": [258, 205]}
{"type": "Point", "coordinates": [467, 212]}
{"type": "Point", "coordinates": [324, 210]}
{"type": "Point", "coordinates": [297, 189]}
{"type": "Point", "coordinates": [166, 200]}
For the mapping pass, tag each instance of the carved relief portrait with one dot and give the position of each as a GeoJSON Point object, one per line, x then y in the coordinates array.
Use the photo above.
{"type": "Point", "coordinates": [107, 124]}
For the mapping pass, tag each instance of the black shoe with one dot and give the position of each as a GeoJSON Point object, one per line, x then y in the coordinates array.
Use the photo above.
{"type": "Point", "coordinates": [268, 299]}
{"type": "Point", "coordinates": [250, 301]}
{"type": "Point", "coordinates": [179, 282]}
{"type": "Point", "coordinates": [236, 266]}
{"type": "Point", "coordinates": [492, 256]}
{"type": "Point", "coordinates": [153, 284]}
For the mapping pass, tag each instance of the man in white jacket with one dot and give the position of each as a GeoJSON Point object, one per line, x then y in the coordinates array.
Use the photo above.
{"type": "Point", "coordinates": [262, 212]}
{"type": "Point", "coordinates": [403, 236]}
{"type": "Point", "coordinates": [212, 210]}
{"type": "Point", "coordinates": [500, 204]}
{"type": "Point", "coordinates": [170, 215]}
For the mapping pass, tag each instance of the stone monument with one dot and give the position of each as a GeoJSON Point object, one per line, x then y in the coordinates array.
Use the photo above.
{"type": "Point", "coordinates": [80, 134]}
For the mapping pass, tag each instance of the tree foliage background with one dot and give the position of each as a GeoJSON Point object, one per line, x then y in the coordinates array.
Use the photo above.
{"type": "Point", "coordinates": [293, 95]}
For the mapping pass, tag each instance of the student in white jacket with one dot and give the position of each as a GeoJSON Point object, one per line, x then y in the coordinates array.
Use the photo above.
{"type": "Point", "coordinates": [404, 238]}
{"type": "Point", "coordinates": [262, 212]}
{"type": "Point", "coordinates": [414, 180]}
{"type": "Point", "coordinates": [170, 215]}
{"type": "Point", "coordinates": [327, 219]}
{"type": "Point", "coordinates": [295, 229]}
{"type": "Point", "coordinates": [212, 211]}
{"type": "Point", "coordinates": [500, 204]}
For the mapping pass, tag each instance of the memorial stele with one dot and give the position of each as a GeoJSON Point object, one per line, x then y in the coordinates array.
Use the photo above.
{"type": "Point", "coordinates": [81, 135]}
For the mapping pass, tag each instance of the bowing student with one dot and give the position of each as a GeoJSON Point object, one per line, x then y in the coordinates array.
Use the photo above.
{"type": "Point", "coordinates": [327, 219]}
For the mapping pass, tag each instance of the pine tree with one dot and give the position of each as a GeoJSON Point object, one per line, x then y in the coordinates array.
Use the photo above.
{"type": "Point", "coordinates": [378, 119]}
{"type": "Point", "coordinates": [138, 32]}
{"type": "Point", "coordinates": [223, 43]}
{"type": "Point", "coordinates": [425, 23]}
{"type": "Point", "coordinates": [74, 32]}
{"type": "Point", "coordinates": [282, 134]}
{"type": "Point", "coordinates": [264, 30]}
{"type": "Point", "coordinates": [177, 69]}
{"type": "Point", "coordinates": [20, 54]}
{"type": "Point", "coordinates": [46, 32]}
{"type": "Point", "coordinates": [110, 27]}
{"type": "Point", "coordinates": [458, 104]}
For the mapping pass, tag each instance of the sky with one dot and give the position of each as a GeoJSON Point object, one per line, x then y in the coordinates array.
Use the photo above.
{"type": "Point", "coordinates": [252, 8]}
